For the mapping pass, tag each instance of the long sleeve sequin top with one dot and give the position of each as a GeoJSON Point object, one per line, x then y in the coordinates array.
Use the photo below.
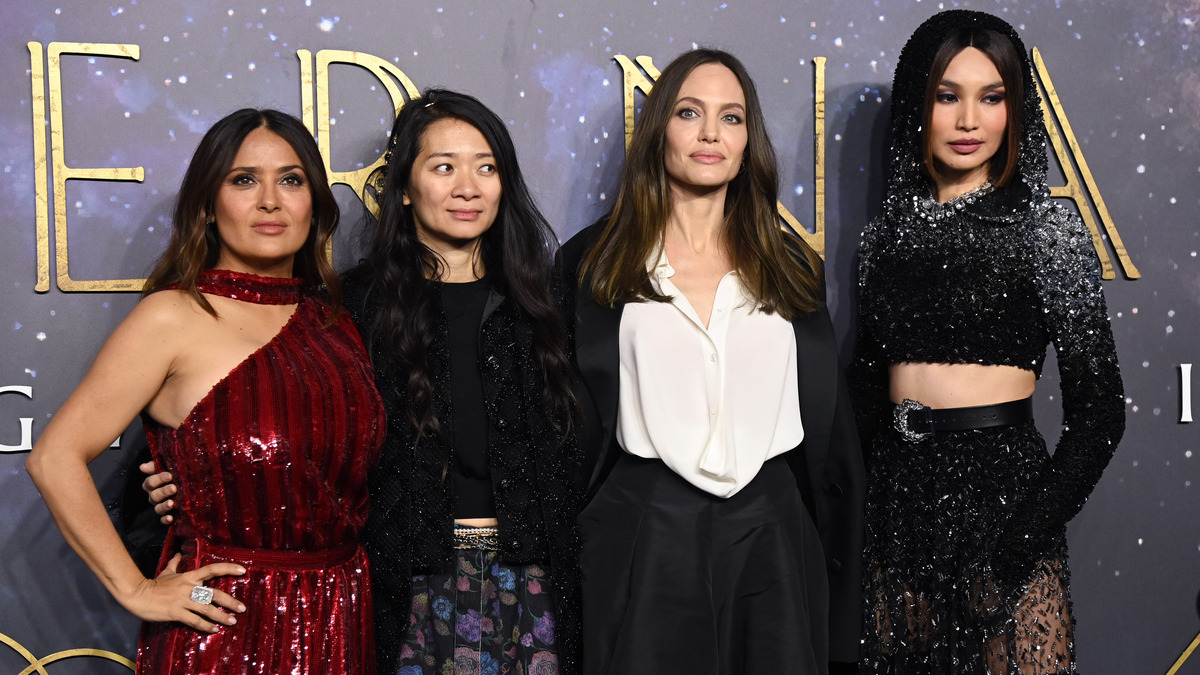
{"type": "Point", "coordinates": [990, 278]}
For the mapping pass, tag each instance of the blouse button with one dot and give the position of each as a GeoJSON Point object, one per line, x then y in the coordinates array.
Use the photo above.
{"type": "Point", "coordinates": [712, 357]}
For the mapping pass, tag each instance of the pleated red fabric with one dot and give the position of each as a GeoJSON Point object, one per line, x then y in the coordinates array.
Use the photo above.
{"type": "Point", "coordinates": [272, 473]}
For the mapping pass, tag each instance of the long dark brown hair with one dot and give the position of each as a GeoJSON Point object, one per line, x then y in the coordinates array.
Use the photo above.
{"type": "Point", "coordinates": [195, 243]}
{"type": "Point", "coordinates": [782, 277]}
{"type": "Point", "coordinates": [515, 252]}
{"type": "Point", "coordinates": [999, 49]}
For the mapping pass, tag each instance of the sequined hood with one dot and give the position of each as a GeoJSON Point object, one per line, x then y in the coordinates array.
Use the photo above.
{"type": "Point", "coordinates": [906, 181]}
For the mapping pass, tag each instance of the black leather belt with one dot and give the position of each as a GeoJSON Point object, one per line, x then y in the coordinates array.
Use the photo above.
{"type": "Point", "coordinates": [915, 421]}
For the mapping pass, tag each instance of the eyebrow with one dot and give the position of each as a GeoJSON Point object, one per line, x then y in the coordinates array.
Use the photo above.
{"type": "Point", "coordinates": [258, 169]}
{"type": "Point", "coordinates": [724, 106]}
{"type": "Point", "coordinates": [478, 155]}
{"type": "Point", "coordinates": [951, 83]}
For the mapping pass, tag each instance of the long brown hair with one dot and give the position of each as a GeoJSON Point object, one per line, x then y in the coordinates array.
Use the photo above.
{"type": "Point", "coordinates": [195, 244]}
{"type": "Point", "coordinates": [1000, 50]}
{"type": "Point", "coordinates": [782, 277]}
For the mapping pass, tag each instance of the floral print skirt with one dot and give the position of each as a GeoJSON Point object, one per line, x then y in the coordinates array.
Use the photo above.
{"type": "Point", "coordinates": [487, 618]}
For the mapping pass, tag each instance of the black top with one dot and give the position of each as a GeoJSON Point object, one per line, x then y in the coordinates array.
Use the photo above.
{"type": "Point", "coordinates": [463, 304]}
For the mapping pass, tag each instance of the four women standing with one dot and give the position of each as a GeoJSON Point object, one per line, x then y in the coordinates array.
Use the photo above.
{"type": "Point", "coordinates": [723, 532]}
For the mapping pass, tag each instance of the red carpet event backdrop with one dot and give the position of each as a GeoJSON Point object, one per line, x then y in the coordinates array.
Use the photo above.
{"type": "Point", "coordinates": [102, 104]}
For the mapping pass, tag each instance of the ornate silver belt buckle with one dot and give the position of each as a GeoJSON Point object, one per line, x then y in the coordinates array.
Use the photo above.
{"type": "Point", "coordinates": [900, 417]}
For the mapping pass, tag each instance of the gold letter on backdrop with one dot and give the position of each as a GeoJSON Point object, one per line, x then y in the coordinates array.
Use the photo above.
{"type": "Point", "coordinates": [634, 80]}
{"type": "Point", "coordinates": [385, 72]}
{"type": "Point", "coordinates": [63, 173]}
{"type": "Point", "coordinates": [37, 103]}
{"type": "Point", "coordinates": [1073, 190]}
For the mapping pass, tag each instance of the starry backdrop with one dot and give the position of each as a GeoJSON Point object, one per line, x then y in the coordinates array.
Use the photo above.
{"type": "Point", "coordinates": [1128, 75]}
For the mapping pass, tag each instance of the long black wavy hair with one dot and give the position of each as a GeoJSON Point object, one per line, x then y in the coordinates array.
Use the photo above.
{"type": "Point", "coordinates": [515, 251]}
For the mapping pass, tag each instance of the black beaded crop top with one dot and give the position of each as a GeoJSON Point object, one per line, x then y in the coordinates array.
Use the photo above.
{"type": "Point", "coordinates": [969, 281]}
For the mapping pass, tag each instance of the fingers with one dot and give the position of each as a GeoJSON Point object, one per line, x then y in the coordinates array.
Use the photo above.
{"type": "Point", "coordinates": [147, 468]}
{"type": "Point", "coordinates": [159, 489]}
{"type": "Point", "coordinates": [227, 601]}
{"type": "Point", "coordinates": [209, 618]}
{"type": "Point", "coordinates": [159, 486]}
{"type": "Point", "coordinates": [222, 570]}
{"type": "Point", "coordinates": [206, 618]}
{"type": "Point", "coordinates": [163, 507]}
{"type": "Point", "coordinates": [168, 597]}
{"type": "Point", "coordinates": [154, 480]}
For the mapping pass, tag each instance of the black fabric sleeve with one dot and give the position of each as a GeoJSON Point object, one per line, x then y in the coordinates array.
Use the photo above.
{"type": "Point", "coordinates": [1092, 393]}
{"type": "Point", "coordinates": [868, 373]}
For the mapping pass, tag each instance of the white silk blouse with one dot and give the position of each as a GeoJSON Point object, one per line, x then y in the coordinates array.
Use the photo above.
{"type": "Point", "coordinates": [712, 403]}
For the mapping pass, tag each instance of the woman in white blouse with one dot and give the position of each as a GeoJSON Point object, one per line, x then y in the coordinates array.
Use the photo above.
{"type": "Point", "coordinates": [724, 530]}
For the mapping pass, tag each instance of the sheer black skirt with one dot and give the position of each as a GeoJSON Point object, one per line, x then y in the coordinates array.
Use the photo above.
{"type": "Point", "coordinates": [934, 511]}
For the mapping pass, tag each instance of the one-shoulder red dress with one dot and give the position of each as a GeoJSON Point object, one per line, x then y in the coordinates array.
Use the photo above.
{"type": "Point", "coordinates": [272, 473]}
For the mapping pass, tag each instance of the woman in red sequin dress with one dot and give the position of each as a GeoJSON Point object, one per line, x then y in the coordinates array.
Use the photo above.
{"type": "Point", "coordinates": [258, 396]}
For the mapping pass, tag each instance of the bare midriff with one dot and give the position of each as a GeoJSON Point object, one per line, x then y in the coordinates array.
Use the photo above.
{"type": "Point", "coordinates": [959, 385]}
{"type": "Point", "coordinates": [477, 522]}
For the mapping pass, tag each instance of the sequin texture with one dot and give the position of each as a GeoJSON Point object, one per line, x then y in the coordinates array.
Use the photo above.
{"type": "Point", "coordinates": [966, 561]}
{"type": "Point", "coordinates": [272, 473]}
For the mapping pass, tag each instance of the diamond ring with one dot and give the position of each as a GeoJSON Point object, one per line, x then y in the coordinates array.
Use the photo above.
{"type": "Point", "coordinates": [202, 595]}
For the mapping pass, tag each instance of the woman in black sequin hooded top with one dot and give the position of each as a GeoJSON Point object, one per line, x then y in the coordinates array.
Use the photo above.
{"type": "Point", "coordinates": [964, 280]}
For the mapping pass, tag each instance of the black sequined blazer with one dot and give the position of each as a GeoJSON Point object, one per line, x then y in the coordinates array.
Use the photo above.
{"type": "Point", "coordinates": [828, 464]}
{"type": "Point", "coordinates": [535, 477]}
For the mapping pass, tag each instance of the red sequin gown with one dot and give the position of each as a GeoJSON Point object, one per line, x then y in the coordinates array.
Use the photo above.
{"type": "Point", "coordinates": [272, 473]}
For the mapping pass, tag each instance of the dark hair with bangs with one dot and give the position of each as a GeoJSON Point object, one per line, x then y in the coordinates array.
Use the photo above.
{"type": "Point", "coordinates": [195, 243]}
{"type": "Point", "coordinates": [1000, 50]}
{"type": "Point", "coordinates": [782, 276]}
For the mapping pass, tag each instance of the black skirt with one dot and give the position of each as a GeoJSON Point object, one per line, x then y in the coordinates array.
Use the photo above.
{"type": "Point", "coordinates": [934, 511]}
{"type": "Point", "coordinates": [676, 580]}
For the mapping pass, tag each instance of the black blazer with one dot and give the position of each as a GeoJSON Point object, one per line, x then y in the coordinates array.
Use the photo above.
{"type": "Point", "coordinates": [828, 464]}
{"type": "Point", "coordinates": [533, 474]}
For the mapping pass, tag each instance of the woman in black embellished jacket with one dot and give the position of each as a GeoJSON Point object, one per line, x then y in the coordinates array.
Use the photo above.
{"type": "Point", "coordinates": [966, 277]}
{"type": "Point", "coordinates": [472, 529]}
